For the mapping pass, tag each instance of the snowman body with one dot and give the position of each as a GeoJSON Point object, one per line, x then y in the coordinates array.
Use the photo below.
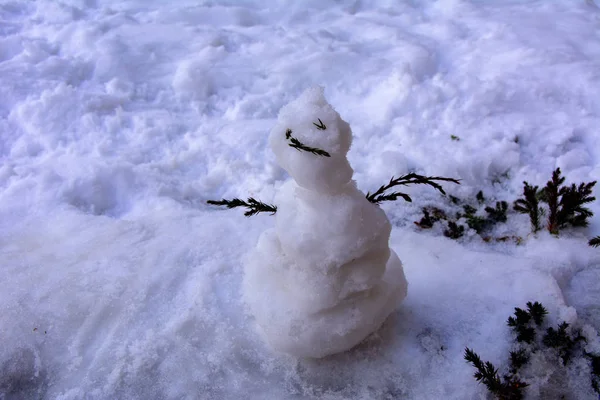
{"type": "Point", "coordinates": [324, 278]}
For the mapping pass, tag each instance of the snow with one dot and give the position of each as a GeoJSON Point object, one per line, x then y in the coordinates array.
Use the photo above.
{"type": "Point", "coordinates": [324, 278]}
{"type": "Point", "coordinates": [118, 120]}
{"type": "Point", "coordinates": [314, 123]}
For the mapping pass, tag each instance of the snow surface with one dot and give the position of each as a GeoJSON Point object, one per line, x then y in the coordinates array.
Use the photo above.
{"type": "Point", "coordinates": [118, 120]}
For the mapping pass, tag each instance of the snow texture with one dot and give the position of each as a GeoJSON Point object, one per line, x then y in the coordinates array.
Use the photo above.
{"type": "Point", "coordinates": [325, 277]}
{"type": "Point", "coordinates": [119, 119]}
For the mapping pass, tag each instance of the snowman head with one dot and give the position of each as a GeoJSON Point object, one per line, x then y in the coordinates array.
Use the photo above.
{"type": "Point", "coordinates": [311, 121]}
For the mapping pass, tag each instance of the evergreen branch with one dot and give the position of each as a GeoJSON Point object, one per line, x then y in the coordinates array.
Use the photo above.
{"type": "Point", "coordinates": [550, 195]}
{"type": "Point", "coordinates": [497, 214]}
{"type": "Point", "coordinates": [595, 242]}
{"type": "Point", "coordinates": [393, 196]}
{"type": "Point", "coordinates": [595, 361]}
{"type": "Point", "coordinates": [529, 205]}
{"type": "Point", "coordinates": [537, 311]}
{"type": "Point", "coordinates": [487, 373]}
{"type": "Point", "coordinates": [404, 180]}
{"type": "Point", "coordinates": [454, 230]}
{"type": "Point", "coordinates": [520, 325]}
{"type": "Point", "coordinates": [320, 126]}
{"type": "Point", "coordinates": [254, 206]}
{"type": "Point", "coordinates": [560, 340]}
{"type": "Point", "coordinates": [430, 218]}
{"type": "Point", "coordinates": [566, 202]}
{"type": "Point", "coordinates": [518, 359]}
{"type": "Point", "coordinates": [302, 147]}
{"type": "Point", "coordinates": [571, 201]}
{"type": "Point", "coordinates": [479, 197]}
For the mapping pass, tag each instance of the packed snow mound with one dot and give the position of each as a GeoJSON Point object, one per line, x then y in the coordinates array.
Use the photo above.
{"type": "Point", "coordinates": [313, 122]}
{"type": "Point", "coordinates": [324, 278]}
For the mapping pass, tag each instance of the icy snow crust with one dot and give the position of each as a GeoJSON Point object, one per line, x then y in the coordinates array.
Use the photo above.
{"type": "Point", "coordinates": [119, 119]}
{"type": "Point", "coordinates": [325, 277]}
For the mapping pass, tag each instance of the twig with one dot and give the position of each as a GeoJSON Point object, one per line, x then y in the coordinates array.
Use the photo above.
{"type": "Point", "coordinates": [254, 206]}
{"type": "Point", "coordinates": [408, 179]}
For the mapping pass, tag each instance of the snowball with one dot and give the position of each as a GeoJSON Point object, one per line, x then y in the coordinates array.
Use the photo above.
{"type": "Point", "coordinates": [299, 120]}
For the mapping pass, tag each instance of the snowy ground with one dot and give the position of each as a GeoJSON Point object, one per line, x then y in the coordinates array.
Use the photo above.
{"type": "Point", "coordinates": [119, 119]}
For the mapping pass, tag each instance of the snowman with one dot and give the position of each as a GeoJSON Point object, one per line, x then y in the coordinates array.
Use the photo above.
{"type": "Point", "coordinates": [324, 277]}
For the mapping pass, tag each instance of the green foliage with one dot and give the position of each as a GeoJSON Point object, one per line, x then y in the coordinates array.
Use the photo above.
{"type": "Point", "coordinates": [480, 198]}
{"type": "Point", "coordinates": [571, 210]}
{"type": "Point", "coordinates": [497, 214]}
{"type": "Point", "coordinates": [454, 231]}
{"type": "Point", "coordinates": [478, 223]}
{"type": "Point", "coordinates": [520, 325]}
{"type": "Point", "coordinates": [320, 126]}
{"type": "Point", "coordinates": [560, 340]}
{"type": "Point", "coordinates": [408, 179]}
{"type": "Point", "coordinates": [295, 143]}
{"type": "Point", "coordinates": [565, 203]}
{"type": "Point", "coordinates": [550, 196]}
{"type": "Point", "coordinates": [560, 344]}
{"type": "Point", "coordinates": [530, 205]}
{"type": "Point", "coordinates": [298, 145]}
{"type": "Point", "coordinates": [518, 359]}
{"type": "Point", "coordinates": [254, 206]}
{"type": "Point", "coordinates": [537, 312]}
{"type": "Point", "coordinates": [594, 242]}
{"type": "Point", "coordinates": [595, 372]}
{"type": "Point", "coordinates": [430, 216]}
{"type": "Point", "coordinates": [455, 138]}
{"type": "Point", "coordinates": [508, 388]}
{"type": "Point", "coordinates": [521, 322]}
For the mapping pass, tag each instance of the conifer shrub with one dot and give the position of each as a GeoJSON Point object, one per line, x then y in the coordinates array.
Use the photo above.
{"type": "Point", "coordinates": [529, 204]}
{"type": "Point", "coordinates": [565, 204]}
{"type": "Point", "coordinates": [477, 216]}
{"type": "Point", "coordinates": [560, 346]}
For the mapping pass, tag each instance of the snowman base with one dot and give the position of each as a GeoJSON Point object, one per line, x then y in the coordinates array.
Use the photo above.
{"type": "Point", "coordinates": [308, 322]}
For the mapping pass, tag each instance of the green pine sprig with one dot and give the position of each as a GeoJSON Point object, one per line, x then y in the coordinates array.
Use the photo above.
{"type": "Point", "coordinates": [562, 341]}
{"type": "Point", "coordinates": [320, 126]}
{"type": "Point", "coordinates": [595, 242]}
{"type": "Point", "coordinates": [520, 323]}
{"type": "Point", "coordinates": [530, 205]}
{"type": "Point", "coordinates": [254, 206]}
{"type": "Point", "coordinates": [537, 312]}
{"type": "Point", "coordinates": [497, 214]}
{"type": "Point", "coordinates": [404, 180]}
{"type": "Point", "coordinates": [565, 203]}
{"type": "Point", "coordinates": [510, 388]}
{"type": "Point", "coordinates": [295, 143]}
{"type": "Point", "coordinates": [572, 199]}
{"type": "Point", "coordinates": [518, 359]}
{"type": "Point", "coordinates": [454, 230]}
{"type": "Point", "coordinates": [302, 147]}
